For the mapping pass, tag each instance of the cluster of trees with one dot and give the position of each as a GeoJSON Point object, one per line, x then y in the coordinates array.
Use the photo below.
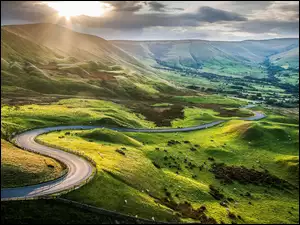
{"type": "Point", "coordinates": [282, 103]}
{"type": "Point", "coordinates": [272, 71]}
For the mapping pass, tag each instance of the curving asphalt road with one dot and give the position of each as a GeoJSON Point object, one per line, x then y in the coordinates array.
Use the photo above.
{"type": "Point", "coordinates": [79, 169]}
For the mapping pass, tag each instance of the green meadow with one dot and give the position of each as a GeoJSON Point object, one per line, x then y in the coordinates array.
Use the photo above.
{"type": "Point", "coordinates": [171, 176]}
{"type": "Point", "coordinates": [68, 112]}
{"type": "Point", "coordinates": [178, 176]}
{"type": "Point", "coordinates": [212, 99]}
{"type": "Point", "coordinates": [76, 111]}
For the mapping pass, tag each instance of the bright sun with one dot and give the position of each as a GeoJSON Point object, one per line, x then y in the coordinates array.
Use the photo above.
{"type": "Point", "coordinates": [77, 8]}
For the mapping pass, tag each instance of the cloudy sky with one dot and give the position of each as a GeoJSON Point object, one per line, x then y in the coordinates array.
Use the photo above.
{"type": "Point", "coordinates": [158, 20]}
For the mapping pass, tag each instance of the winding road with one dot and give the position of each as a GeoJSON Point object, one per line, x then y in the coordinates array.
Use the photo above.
{"type": "Point", "coordinates": [79, 169]}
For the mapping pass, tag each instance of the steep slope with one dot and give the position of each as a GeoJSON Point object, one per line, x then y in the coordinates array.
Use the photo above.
{"type": "Point", "coordinates": [17, 48]}
{"type": "Point", "coordinates": [50, 59]}
{"type": "Point", "coordinates": [66, 42]}
{"type": "Point", "coordinates": [287, 59]}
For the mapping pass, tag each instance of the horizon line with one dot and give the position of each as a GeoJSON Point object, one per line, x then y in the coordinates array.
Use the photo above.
{"type": "Point", "coordinates": [147, 40]}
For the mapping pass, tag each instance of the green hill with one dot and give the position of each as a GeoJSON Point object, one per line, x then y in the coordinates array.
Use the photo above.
{"type": "Point", "coordinates": [50, 59]}
{"type": "Point", "coordinates": [244, 56]}
{"type": "Point", "coordinates": [19, 167]}
{"type": "Point", "coordinates": [106, 135]}
{"type": "Point", "coordinates": [62, 41]}
{"type": "Point", "coordinates": [287, 59]}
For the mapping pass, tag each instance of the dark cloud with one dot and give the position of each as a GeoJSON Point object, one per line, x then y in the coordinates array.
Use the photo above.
{"type": "Point", "coordinates": [126, 6]}
{"type": "Point", "coordinates": [180, 9]}
{"type": "Point", "coordinates": [122, 17]}
{"type": "Point", "coordinates": [157, 6]}
{"type": "Point", "coordinates": [211, 15]}
{"type": "Point", "coordinates": [160, 7]}
{"type": "Point", "coordinates": [126, 20]}
{"type": "Point", "coordinates": [26, 10]}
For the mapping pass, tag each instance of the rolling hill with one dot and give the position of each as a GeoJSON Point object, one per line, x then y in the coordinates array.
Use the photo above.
{"type": "Point", "coordinates": [239, 59]}
{"type": "Point", "coordinates": [287, 59]}
{"type": "Point", "coordinates": [50, 59]}
{"type": "Point", "coordinates": [39, 60]}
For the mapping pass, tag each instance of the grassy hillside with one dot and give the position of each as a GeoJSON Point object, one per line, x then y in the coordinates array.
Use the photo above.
{"type": "Point", "coordinates": [229, 173]}
{"type": "Point", "coordinates": [264, 70]}
{"type": "Point", "coordinates": [109, 136]}
{"type": "Point", "coordinates": [212, 99]}
{"type": "Point", "coordinates": [236, 172]}
{"type": "Point", "coordinates": [226, 58]}
{"type": "Point", "coordinates": [19, 167]}
{"type": "Point", "coordinates": [77, 111]}
{"type": "Point", "coordinates": [287, 59]}
{"type": "Point", "coordinates": [68, 112]}
{"type": "Point", "coordinates": [40, 59]}
{"type": "Point", "coordinates": [64, 42]}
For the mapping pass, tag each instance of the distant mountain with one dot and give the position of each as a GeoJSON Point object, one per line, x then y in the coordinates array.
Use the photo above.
{"type": "Point", "coordinates": [227, 58]}
{"type": "Point", "coordinates": [48, 58]}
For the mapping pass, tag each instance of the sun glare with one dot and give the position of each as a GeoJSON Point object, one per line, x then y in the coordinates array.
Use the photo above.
{"type": "Point", "coordinates": [77, 8]}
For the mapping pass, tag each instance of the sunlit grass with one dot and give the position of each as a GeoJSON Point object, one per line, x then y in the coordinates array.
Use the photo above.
{"type": "Point", "coordinates": [20, 168]}
{"type": "Point", "coordinates": [134, 178]}
{"type": "Point", "coordinates": [212, 99]}
{"type": "Point", "coordinates": [69, 112]}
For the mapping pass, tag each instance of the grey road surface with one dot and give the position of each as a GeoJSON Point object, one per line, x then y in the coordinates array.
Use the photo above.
{"type": "Point", "coordinates": [79, 169]}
